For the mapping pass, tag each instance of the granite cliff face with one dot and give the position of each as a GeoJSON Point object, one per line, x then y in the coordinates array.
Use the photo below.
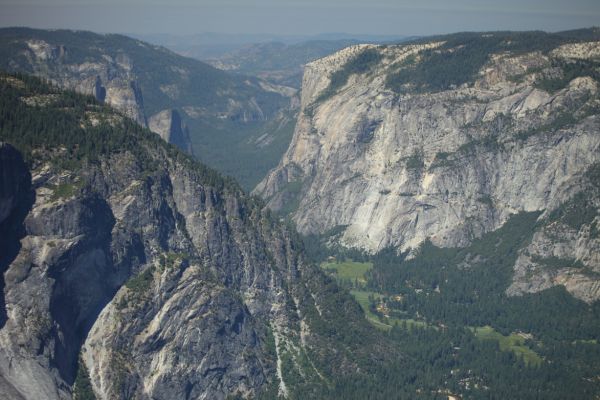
{"type": "Point", "coordinates": [170, 127]}
{"type": "Point", "coordinates": [390, 159]}
{"type": "Point", "coordinates": [110, 79]}
{"type": "Point", "coordinates": [145, 274]}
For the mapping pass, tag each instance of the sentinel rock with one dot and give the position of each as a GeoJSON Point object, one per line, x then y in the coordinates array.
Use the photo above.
{"type": "Point", "coordinates": [168, 125]}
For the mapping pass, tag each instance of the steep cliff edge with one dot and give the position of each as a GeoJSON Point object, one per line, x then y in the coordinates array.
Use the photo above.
{"type": "Point", "coordinates": [443, 139]}
{"type": "Point", "coordinates": [145, 274]}
{"type": "Point", "coordinates": [170, 127]}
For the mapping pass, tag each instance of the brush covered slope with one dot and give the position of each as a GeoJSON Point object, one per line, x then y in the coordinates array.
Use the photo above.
{"type": "Point", "coordinates": [131, 271]}
{"type": "Point", "coordinates": [189, 103]}
{"type": "Point", "coordinates": [443, 139]}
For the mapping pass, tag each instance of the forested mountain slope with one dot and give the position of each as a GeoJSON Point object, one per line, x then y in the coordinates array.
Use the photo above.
{"type": "Point", "coordinates": [238, 124]}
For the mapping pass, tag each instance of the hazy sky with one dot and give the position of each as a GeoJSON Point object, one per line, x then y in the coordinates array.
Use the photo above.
{"type": "Point", "coordinates": [291, 17]}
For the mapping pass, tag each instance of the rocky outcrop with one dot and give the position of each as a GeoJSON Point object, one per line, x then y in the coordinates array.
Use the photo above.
{"type": "Point", "coordinates": [211, 288]}
{"type": "Point", "coordinates": [394, 168]}
{"type": "Point", "coordinates": [153, 278]}
{"type": "Point", "coordinates": [565, 250]}
{"type": "Point", "coordinates": [181, 331]}
{"type": "Point", "coordinates": [169, 126]}
{"type": "Point", "coordinates": [583, 51]}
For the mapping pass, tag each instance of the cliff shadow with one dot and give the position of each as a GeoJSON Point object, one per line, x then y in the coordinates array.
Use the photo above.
{"type": "Point", "coordinates": [86, 278]}
{"type": "Point", "coordinates": [16, 200]}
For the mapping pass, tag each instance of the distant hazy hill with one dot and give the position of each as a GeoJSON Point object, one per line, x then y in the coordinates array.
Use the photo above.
{"type": "Point", "coordinates": [212, 45]}
{"type": "Point", "coordinates": [226, 119]}
{"type": "Point", "coordinates": [277, 58]}
{"type": "Point", "coordinates": [278, 62]}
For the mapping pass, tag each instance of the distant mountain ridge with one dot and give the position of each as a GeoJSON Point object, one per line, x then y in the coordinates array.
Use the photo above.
{"type": "Point", "coordinates": [212, 45]}
{"type": "Point", "coordinates": [276, 61]}
{"type": "Point", "coordinates": [217, 113]}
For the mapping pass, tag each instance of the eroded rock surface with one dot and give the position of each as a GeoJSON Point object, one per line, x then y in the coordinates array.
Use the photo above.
{"type": "Point", "coordinates": [394, 168]}
{"type": "Point", "coordinates": [153, 277]}
{"type": "Point", "coordinates": [169, 126]}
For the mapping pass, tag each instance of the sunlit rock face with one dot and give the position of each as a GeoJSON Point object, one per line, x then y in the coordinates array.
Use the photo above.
{"type": "Point", "coordinates": [389, 168]}
{"type": "Point", "coordinates": [110, 79]}
{"type": "Point", "coordinates": [150, 275]}
{"type": "Point", "coordinates": [169, 126]}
